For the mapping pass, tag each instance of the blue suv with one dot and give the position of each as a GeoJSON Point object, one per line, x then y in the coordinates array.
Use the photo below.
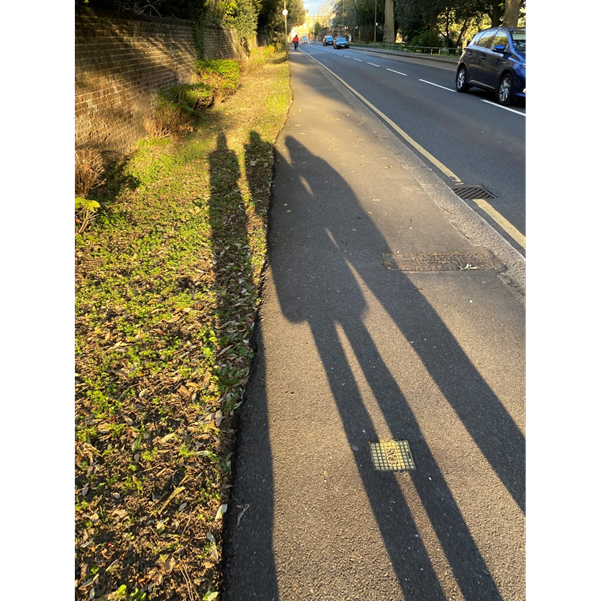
{"type": "Point", "coordinates": [495, 60]}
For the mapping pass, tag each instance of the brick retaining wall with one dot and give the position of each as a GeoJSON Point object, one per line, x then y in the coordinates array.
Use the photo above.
{"type": "Point", "coordinates": [122, 60]}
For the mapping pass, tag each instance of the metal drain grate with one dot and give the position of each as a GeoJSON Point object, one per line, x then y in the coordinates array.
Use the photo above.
{"type": "Point", "coordinates": [391, 456]}
{"type": "Point", "coordinates": [473, 192]}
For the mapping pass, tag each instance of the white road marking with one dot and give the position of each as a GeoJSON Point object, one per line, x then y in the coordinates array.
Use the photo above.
{"type": "Point", "coordinates": [503, 107]}
{"type": "Point", "coordinates": [405, 74]}
{"type": "Point", "coordinates": [357, 59]}
{"type": "Point", "coordinates": [372, 64]}
{"type": "Point", "coordinates": [435, 84]}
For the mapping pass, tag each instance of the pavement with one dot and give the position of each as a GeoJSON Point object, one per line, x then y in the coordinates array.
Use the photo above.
{"type": "Point", "coordinates": [368, 334]}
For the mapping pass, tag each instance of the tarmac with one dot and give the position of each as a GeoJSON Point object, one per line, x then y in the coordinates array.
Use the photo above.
{"type": "Point", "coordinates": [390, 312]}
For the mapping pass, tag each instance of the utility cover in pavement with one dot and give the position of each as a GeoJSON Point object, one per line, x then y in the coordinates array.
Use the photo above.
{"type": "Point", "coordinates": [446, 261]}
{"type": "Point", "coordinates": [391, 456]}
{"type": "Point", "coordinates": [473, 192]}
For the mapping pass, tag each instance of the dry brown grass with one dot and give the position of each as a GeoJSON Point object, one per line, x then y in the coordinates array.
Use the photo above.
{"type": "Point", "coordinates": [89, 167]}
{"type": "Point", "coordinates": [168, 120]}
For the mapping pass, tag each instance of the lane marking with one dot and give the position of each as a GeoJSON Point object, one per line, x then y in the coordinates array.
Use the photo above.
{"type": "Point", "coordinates": [510, 229]}
{"type": "Point", "coordinates": [355, 59]}
{"type": "Point", "coordinates": [499, 106]}
{"type": "Point", "coordinates": [405, 74]}
{"type": "Point", "coordinates": [435, 84]}
{"type": "Point", "coordinates": [372, 64]}
{"type": "Point", "coordinates": [395, 127]}
{"type": "Point", "coordinates": [503, 223]}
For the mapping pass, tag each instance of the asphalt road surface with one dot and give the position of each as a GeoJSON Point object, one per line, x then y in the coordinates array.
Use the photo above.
{"type": "Point", "coordinates": [391, 313]}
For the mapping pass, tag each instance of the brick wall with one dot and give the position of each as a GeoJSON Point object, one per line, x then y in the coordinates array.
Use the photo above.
{"type": "Point", "coordinates": [121, 62]}
{"type": "Point", "coordinates": [219, 42]}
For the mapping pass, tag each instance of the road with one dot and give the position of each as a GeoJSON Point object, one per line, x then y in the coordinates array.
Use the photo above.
{"type": "Point", "coordinates": [466, 137]}
{"type": "Point", "coordinates": [359, 348]}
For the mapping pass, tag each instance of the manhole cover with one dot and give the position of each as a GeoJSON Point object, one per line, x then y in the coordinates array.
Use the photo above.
{"type": "Point", "coordinates": [391, 456]}
{"type": "Point", "coordinates": [449, 261]}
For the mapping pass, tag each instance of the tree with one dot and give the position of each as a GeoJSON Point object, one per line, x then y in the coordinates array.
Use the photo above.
{"type": "Point", "coordinates": [512, 13]}
{"type": "Point", "coordinates": [270, 17]}
{"type": "Point", "coordinates": [389, 28]}
{"type": "Point", "coordinates": [242, 16]}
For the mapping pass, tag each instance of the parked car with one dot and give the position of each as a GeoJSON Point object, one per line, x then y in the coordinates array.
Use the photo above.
{"type": "Point", "coordinates": [328, 41]}
{"type": "Point", "coordinates": [495, 60]}
{"type": "Point", "coordinates": [304, 39]}
{"type": "Point", "coordinates": [340, 42]}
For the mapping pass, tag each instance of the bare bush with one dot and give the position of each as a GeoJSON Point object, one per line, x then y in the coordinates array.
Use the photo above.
{"type": "Point", "coordinates": [89, 167]}
{"type": "Point", "coordinates": [168, 120]}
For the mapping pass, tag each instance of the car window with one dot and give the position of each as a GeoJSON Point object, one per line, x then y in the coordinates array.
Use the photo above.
{"type": "Point", "coordinates": [501, 39]}
{"type": "Point", "coordinates": [519, 40]}
{"type": "Point", "coordinates": [477, 37]}
{"type": "Point", "coordinates": [486, 40]}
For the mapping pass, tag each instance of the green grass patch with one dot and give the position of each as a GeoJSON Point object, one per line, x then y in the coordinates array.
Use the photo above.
{"type": "Point", "coordinates": [167, 288]}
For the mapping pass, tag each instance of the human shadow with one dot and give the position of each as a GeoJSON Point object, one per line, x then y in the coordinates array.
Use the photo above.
{"type": "Point", "coordinates": [312, 260]}
{"type": "Point", "coordinates": [248, 523]}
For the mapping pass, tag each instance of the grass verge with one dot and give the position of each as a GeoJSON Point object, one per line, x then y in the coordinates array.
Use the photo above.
{"type": "Point", "coordinates": [167, 287]}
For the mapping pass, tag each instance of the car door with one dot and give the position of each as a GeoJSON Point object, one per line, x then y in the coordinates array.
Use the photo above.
{"type": "Point", "coordinates": [482, 58]}
{"type": "Point", "coordinates": [495, 61]}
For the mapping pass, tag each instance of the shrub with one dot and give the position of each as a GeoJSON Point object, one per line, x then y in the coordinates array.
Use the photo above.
{"type": "Point", "coordinates": [428, 39]}
{"type": "Point", "coordinates": [85, 212]}
{"type": "Point", "coordinates": [89, 167]}
{"type": "Point", "coordinates": [222, 75]}
{"type": "Point", "coordinates": [190, 97]}
{"type": "Point", "coordinates": [168, 119]}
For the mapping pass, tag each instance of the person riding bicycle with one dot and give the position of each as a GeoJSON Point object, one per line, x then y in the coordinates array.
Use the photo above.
{"type": "Point", "coordinates": [295, 42]}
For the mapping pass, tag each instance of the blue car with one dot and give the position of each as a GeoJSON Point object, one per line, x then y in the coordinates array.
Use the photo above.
{"type": "Point", "coordinates": [495, 60]}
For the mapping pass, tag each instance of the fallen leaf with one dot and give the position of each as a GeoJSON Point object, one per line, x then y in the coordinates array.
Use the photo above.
{"type": "Point", "coordinates": [174, 494]}
{"type": "Point", "coordinates": [227, 348]}
{"type": "Point", "coordinates": [221, 511]}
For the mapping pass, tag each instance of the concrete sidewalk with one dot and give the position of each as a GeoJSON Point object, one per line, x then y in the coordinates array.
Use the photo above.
{"type": "Point", "coordinates": [367, 335]}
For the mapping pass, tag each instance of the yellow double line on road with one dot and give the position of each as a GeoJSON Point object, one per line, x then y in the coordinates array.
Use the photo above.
{"type": "Point", "coordinates": [486, 207]}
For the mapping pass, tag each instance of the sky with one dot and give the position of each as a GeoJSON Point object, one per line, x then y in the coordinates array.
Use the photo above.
{"type": "Point", "coordinates": [313, 5]}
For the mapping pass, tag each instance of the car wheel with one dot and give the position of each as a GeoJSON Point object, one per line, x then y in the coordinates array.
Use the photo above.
{"type": "Point", "coordinates": [504, 89]}
{"type": "Point", "coordinates": [461, 80]}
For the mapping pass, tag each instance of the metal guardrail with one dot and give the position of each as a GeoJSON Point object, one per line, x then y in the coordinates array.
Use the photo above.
{"type": "Point", "coordinates": [429, 50]}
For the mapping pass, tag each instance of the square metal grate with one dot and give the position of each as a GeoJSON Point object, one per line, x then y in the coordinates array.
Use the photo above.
{"type": "Point", "coordinates": [473, 192]}
{"type": "Point", "coordinates": [391, 456]}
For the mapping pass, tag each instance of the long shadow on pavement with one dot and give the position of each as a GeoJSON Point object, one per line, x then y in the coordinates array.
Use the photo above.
{"type": "Point", "coordinates": [315, 284]}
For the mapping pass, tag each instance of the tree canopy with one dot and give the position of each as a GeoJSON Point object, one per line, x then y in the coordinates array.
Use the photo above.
{"type": "Point", "coordinates": [421, 22]}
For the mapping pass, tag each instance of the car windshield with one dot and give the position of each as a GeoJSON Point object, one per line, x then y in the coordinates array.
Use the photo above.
{"type": "Point", "coordinates": [341, 39]}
